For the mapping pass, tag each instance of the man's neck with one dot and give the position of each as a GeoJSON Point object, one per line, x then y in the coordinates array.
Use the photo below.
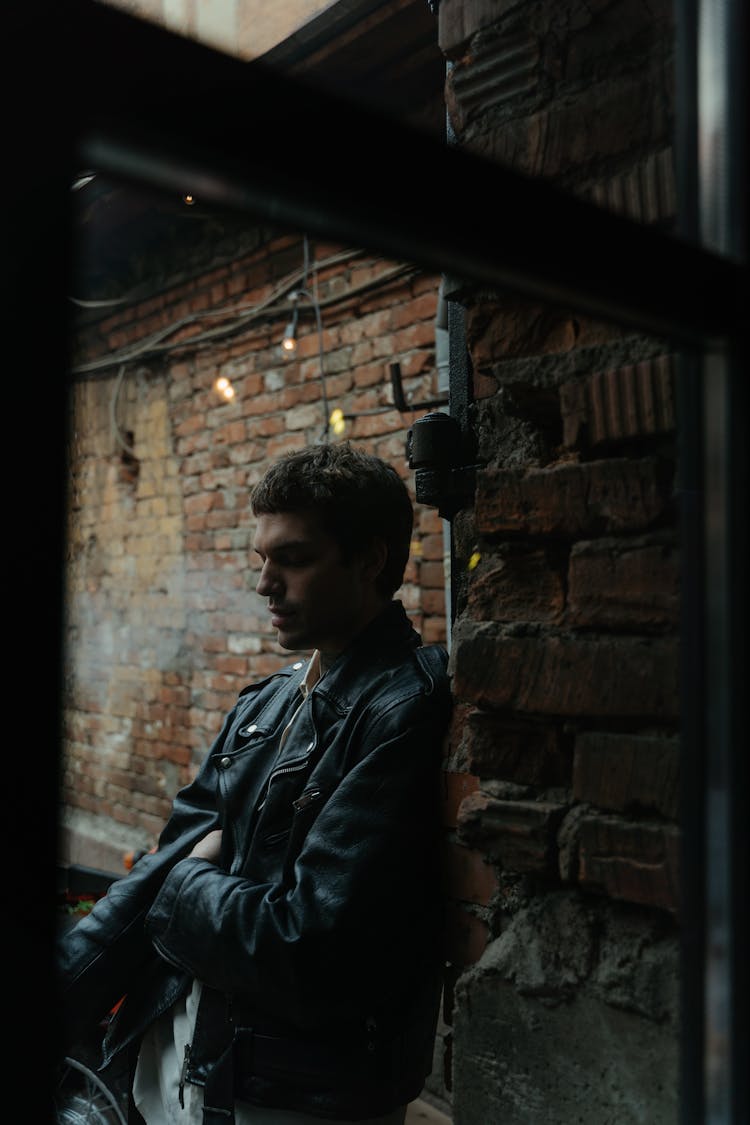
{"type": "Point", "coordinates": [328, 657]}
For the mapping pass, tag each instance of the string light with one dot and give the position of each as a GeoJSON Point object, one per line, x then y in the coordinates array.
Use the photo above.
{"type": "Point", "coordinates": [224, 388]}
{"type": "Point", "coordinates": [189, 199]}
{"type": "Point", "coordinates": [337, 421]}
{"type": "Point", "coordinates": [289, 339]}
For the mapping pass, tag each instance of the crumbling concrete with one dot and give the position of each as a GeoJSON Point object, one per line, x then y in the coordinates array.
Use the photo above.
{"type": "Point", "coordinates": [570, 1017]}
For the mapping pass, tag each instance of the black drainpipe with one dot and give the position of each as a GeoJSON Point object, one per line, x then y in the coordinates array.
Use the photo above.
{"type": "Point", "coordinates": [711, 170]}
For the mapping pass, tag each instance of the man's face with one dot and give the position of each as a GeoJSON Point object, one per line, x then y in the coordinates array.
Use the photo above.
{"type": "Point", "coordinates": [315, 599]}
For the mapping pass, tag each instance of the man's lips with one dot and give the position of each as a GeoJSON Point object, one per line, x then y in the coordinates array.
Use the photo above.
{"type": "Point", "coordinates": [280, 616]}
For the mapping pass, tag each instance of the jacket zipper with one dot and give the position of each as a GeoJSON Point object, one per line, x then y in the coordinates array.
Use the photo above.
{"type": "Point", "coordinates": [183, 1075]}
{"type": "Point", "coordinates": [294, 767]}
{"type": "Point", "coordinates": [306, 799]}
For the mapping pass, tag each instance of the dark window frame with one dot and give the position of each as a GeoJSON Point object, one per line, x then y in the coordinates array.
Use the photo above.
{"type": "Point", "coordinates": [156, 109]}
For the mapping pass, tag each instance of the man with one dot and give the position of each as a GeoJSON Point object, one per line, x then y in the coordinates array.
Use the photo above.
{"type": "Point", "coordinates": [279, 953]}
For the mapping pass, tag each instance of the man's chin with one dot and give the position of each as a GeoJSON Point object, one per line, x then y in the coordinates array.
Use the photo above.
{"type": "Point", "coordinates": [292, 640]}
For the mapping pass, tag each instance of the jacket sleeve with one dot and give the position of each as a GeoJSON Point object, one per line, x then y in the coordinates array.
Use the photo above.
{"type": "Point", "coordinates": [98, 957]}
{"type": "Point", "coordinates": [365, 877]}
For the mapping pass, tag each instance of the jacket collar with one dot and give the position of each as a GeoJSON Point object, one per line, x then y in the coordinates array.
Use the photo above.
{"type": "Point", "coordinates": [384, 643]}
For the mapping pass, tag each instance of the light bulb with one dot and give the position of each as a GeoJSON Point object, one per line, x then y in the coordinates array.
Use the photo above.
{"type": "Point", "coordinates": [337, 421]}
{"type": "Point", "coordinates": [289, 339]}
{"type": "Point", "coordinates": [223, 387]}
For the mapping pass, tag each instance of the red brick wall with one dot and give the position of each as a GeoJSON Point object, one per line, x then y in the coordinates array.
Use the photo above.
{"type": "Point", "coordinates": [561, 778]}
{"type": "Point", "coordinates": [163, 625]}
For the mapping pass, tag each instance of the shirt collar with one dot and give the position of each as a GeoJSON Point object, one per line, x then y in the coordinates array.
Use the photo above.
{"type": "Point", "coordinates": [312, 675]}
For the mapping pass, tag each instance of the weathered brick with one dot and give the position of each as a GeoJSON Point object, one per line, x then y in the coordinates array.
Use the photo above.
{"type": "Point", "coordinates": [516, 585]}
{"type": "Point", "coordinates": [574, 132]}
{"type": "Point", "coordinates": [416, 335]}
{"type": "Point", "coordinates": [501, 64]}
{"type": "Point", "coordinates": [456, 786]}
{"type": "Point", "coordinates": [626, 772]}
{"type": "Point", "coordinates": [620, 584]}
{"type": "Point", "coordinates": [433, 602]}
{"type": "Point", "coordinates": [372, 426]}
{"type": "Point", "coordinates": [292, 398]}
{"type": "Point", "coordinates": [612, 33]}
{"type": "Point", "coordinates": [633, 401]}
{"type": "Point", "coordinates": [283, 444]}
{"type": "Point", "coordinates": [574, 412]}
{"type": "Point", "coordinates": [566, 674]}
{"type": "Point", "coordinates": [466, 935]}
{"type": "Point", "coordinates": [433, 630]}
{"type": "Point", "coordinates": [468, 875]}
{"type": "Point", "coordinates": [571, 499]}
{"type": "Point", "coordinates": [191, 425]}
{"type": "Point", "coordinates": [635, 862]}
{"type": "Point", "coordinates": [460, 19]}
{"type": "Point", "coordinates": [515, 328]}
{"type": "Point", "coordinates": [519, 835]}
{"type": "Point", "coordinates": [414, 363]}
{"type": "Point", "coordinates": [483, 385]}
{"type": "Point", "coordinates": [419, 308]}
{"type": "Point", "coordinates": [525, 754]}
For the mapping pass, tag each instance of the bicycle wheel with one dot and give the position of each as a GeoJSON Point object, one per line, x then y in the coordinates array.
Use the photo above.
{"type": "Point", "coordinates": [82, 1098]}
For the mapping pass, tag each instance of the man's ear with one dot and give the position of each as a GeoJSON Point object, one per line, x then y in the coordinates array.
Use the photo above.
{"type": "Point", "coordinates": [374, 558]}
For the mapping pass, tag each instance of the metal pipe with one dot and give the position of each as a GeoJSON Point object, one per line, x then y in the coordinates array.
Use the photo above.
{"type": "Point", "coordinates": [690, 491]}
{"type": "Point", "coordinates": [711, 186]}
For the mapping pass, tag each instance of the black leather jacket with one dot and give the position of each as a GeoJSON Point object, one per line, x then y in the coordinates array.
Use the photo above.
{"type": "Point", "coordinates": [318, 936]}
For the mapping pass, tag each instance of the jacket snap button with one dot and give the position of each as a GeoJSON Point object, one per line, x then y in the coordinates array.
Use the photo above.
{"type": "Point", "coordinates": [225, 763]}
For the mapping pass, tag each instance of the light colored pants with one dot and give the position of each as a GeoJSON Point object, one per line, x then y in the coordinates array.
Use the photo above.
{"type": "Point", "coordinates": [169, 1112]}
{"type": "Point", "coordinates": [156, 1088]}
{"type": "Point", "coordinates": [245, 1114]}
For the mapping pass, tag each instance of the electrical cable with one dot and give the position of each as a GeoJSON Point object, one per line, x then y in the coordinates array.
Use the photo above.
{"type": "Point", "coordinates": [113, 412]}
{"type": "Point", "coordinates": [154, 344]}
{"type": "Point", "coordinates": [136, 296]}
{"type": "Point", "coordinates": [321, 357]}
{"type": "Point", "coordinates": [98, 304]}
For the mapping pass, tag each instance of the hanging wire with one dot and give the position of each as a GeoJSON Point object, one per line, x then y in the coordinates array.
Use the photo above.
{"type": "Point", "coordinates": [239, 318]}
{"type": "Point", "coordinates": [305, 260]}
{"type": "Point", "coordinates": [119, 438]}
{"type": "Point", "coordinates": [242, 317]}
{"type": "Point", "coordinates": [321, 353]}
{"type": "Point", "coordinates": [311, 299]}
{"type": "Point", "coordinates": [311, 296]}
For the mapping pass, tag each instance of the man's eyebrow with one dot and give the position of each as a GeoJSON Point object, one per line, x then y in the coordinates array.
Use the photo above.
{"type": "Point", "coordinates": [287, 545]}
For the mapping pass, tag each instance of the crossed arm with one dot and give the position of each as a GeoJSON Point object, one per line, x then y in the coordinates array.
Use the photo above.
{"type": "Point", "coordinates": [209, 847]}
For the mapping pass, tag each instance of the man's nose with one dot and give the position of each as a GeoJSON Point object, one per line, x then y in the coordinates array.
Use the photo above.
{"type": "Point", "coordinates": [268, 581]}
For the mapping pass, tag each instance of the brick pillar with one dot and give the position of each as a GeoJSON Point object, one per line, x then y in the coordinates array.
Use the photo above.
{"type": "Point", "coordinates": [562, 769]}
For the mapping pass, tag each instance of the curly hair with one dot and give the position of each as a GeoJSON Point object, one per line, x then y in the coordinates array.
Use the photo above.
{"type": "Point", "coordinates": [358, 497]}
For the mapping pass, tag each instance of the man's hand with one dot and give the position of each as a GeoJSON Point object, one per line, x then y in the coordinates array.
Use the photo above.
{"type": "Point", "coordinates": [209, 847]}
